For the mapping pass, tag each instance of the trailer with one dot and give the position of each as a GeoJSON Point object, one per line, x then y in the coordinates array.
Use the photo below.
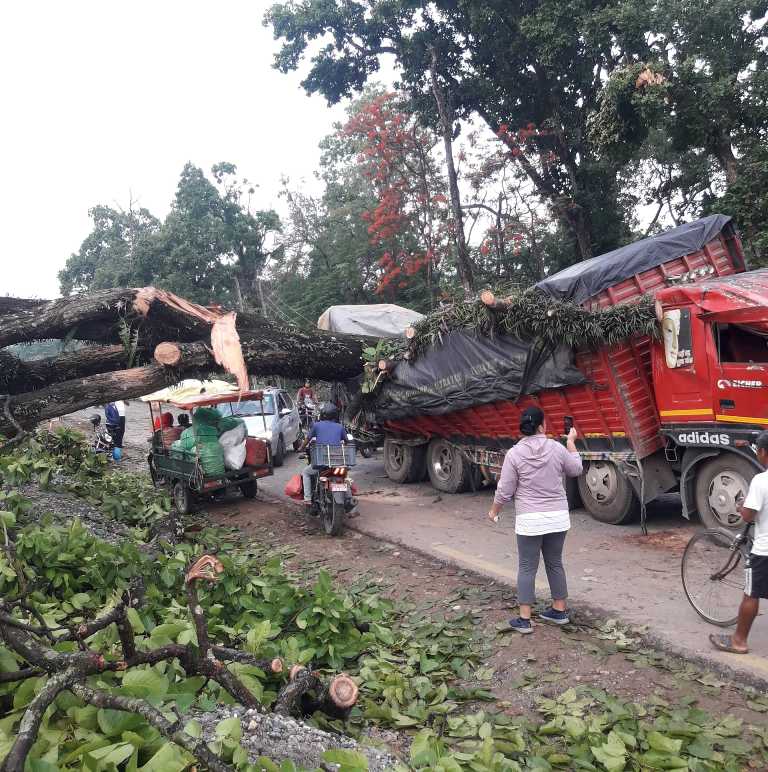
{"type": "Point", "coordinates": [653, 415]}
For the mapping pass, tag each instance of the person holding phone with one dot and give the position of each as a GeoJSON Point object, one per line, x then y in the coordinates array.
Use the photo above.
{"type": "Point", "coordinates": [533, 476]}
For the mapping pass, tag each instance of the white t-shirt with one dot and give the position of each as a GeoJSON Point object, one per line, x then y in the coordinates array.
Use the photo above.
{"type": "Point", "coordinates": [538, 523]}
{"type": "Point", "coordinates": [120, 405]}
{"type": "Point", "coordinates": [757, 499]}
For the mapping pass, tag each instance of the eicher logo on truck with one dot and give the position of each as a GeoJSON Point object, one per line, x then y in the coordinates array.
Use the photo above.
{"type": "Point", "coordinates": [703, 438]}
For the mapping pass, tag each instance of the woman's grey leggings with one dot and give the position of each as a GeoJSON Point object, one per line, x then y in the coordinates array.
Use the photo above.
{"type": "Point", "coordinates": [528, 548]}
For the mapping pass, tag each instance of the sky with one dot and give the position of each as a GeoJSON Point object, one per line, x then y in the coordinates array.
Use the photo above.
{"type": "Point", "coordinates": [104, 101]}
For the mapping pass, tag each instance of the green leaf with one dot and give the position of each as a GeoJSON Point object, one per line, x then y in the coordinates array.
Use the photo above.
{"type": "Point", "coordinates": [114, 722]}
{"type": "Point", "coordinates": [170, 758]}
{"type": "Point", "coordinates": [229, 729]}
{"type": "Point", "coordinates": [422, 749]}
{"type": "Point", "coordinates": [145, 683]}
{"type": "Point", "coordinates": [8, 519]}
{"type": "Point", "coordinates": [346, 759]}
{"type": "Point", "coordinates": [384, 634]}
{"type": "Point", "coordinates": [135, 620]}
{"type": "Point", "coordinates": [193, 729]}
{"type": "Point", "coordinates": [656, 760]}
{"type": "Point", "coordinates": [115, 754]}
{"type": "Point", "coordinates": [662, 743]}
{"type": "Point", "coordinates": [574, 727]}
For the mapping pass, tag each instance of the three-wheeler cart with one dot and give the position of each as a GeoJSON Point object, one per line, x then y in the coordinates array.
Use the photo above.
{"type": "Point", "coordinates": [182, 472]}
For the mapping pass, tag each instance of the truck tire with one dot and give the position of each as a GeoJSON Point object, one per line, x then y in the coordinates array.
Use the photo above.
{"type": "Point", "coordinates": [721, 485]}
{"type": "Point", "coordinates": [279, 457]}
{"type": "Point", "coordinates": [607, 494]}
{"type": "Point", "coordinates": [404, 463]}
{"type": "Point", "coordinates": [447, 468]}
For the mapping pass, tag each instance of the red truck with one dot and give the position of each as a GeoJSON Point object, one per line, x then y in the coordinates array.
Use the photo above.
{"type": "Point", "coordinates": [680, 412]}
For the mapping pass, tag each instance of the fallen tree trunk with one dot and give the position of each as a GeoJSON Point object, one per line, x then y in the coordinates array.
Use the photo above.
{"type": "Point", "coordinates": [32, 407]}
{"type": "Point", "coordinates": [290, 353]}
{"type": "Point", "coordinates": [18, 375]}
{"type": "Point", "coordinates": [187, 340]}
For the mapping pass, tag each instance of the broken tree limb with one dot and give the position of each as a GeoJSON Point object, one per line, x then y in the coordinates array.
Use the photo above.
{"type": "Point", "coordinates": [31, 407]}
{"type": "Point", "coordinates": [305, 693]}
{"type": "Point", "coordinates": [289, 353]}
{"type": "Point", "coordinates": [17, 375]}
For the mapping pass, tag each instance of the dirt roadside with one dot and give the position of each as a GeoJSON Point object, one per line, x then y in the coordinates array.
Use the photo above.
{"type": "Point", "coordinates": [613, 570]}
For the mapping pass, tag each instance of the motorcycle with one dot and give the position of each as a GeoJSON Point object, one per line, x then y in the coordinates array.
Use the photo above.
{"type": "Point", "coordinates": [101, 439]}
{"type": "Point", "coordinates": [307, 415]}
{"type": "Point", "coordinates": [367, 440]}
{"type": "Point", "coordinates": [333, 490]}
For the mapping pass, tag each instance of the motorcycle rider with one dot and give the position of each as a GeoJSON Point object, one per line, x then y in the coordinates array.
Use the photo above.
{"type": "Point", "coordinates": [304, 393]}
{"type": "Point", "coordinates": [326, 431]}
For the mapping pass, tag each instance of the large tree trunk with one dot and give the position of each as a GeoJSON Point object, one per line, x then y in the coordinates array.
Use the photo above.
{"type": "Point", "coordinates": [445, 112]}
{"type": "Point", "coordinates": [189, 340]}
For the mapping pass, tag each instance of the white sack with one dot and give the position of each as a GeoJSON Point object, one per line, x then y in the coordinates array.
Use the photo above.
{"type": "Point", "coordinates": [234, 457]}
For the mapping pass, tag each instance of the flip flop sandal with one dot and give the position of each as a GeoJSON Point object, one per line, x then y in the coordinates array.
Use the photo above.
{"type": "Point", "coordinates": [725, 643]}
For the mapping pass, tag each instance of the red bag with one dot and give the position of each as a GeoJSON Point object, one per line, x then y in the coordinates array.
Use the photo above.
{"type": "Point", "coordinates": [294, 487]}
{"type": "Point", "coordinates": [255, 452]}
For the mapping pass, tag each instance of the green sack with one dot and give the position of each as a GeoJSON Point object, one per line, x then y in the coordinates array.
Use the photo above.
{"type": "Point", "coordinates": [211, 457]}
{"type": "Point", "coordinates": [205, 416]}
{"type": "Point", "coordinates": [228, 422]}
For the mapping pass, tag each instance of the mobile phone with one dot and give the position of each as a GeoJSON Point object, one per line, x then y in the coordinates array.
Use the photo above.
{"type": "Point", "coordinates": [568, 424]}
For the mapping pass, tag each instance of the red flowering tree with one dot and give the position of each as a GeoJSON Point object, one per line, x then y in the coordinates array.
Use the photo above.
{"type": "Point", "coordinates": [410, 222]}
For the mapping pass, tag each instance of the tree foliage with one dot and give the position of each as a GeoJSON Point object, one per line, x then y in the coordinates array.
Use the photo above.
{"type": "Point", "coordinates": [578, 91]}
{"type": "Point", "coordinates": [210, 247]}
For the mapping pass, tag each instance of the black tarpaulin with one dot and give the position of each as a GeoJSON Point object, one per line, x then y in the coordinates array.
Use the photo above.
{"type": "Point", "coordinates": [469, 370]}
{"type": "Point", "coordinates": [584, 280]}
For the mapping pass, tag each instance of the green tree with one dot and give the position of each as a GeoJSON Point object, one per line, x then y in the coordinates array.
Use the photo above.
{"type": "Point", "coordinates": [118, 252]}
{"type": "Point", "coordinates": [210, 248]}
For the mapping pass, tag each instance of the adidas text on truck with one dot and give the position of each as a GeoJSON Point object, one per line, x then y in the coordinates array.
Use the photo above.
{"type": "Point", "coordinates": [703, 438]}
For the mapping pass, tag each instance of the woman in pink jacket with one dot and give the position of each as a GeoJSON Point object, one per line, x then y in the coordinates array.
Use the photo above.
{"type": "Point", "coordinates": [533, 476]}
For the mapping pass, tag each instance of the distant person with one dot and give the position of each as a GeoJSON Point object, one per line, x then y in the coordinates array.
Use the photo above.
{"type": "Point", "coordinates": [183, 420]}
{"type": "Point", "coordinates": [532, 476]}
{"type": "Point", "coordinates": [754, 510]}
{"type": "Point", "coordinates": [114, 415]}
{"type": "Point", "coordinates": [306, 392]}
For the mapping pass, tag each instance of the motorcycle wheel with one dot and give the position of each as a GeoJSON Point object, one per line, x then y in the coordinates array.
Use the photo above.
{"type": "Point", "coordinates": [333, 517]}
{"type": "Point", "coordinates": [366, 452]}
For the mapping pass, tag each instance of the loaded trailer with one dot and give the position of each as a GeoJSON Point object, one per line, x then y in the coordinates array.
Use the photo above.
{"type": "Point", "coordinates": [654, 413]}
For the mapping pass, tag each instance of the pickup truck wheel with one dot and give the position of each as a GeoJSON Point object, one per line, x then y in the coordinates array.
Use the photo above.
{"type": "Point", "coordinates": [721, 487]}
{"type": "Point", "coordinates": [607, 494]}
{"type": "Point", "coordinates": [448, 469]}
{"type": "Point", "coordinates": [279, 456]}
{"type": "Point", "coordinates": [182, 498]}
{"type": "Point", "coordinates": [404, 463]}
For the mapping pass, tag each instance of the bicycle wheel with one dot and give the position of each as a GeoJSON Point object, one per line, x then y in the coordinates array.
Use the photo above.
{"type": "Point", "coordinates": [713, 576]}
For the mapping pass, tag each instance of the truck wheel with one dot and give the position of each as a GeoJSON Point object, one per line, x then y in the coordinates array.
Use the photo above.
{"type": "Point", "coordinates": [721, 487]}
{"type": "Point", "coordinates": [448, 469]}
{"type": "Point", "coordinates": [404, 463]}
{"type": "Point", "coordinates": [182, 498]}
{"type": "Point", "coordinates": [607, 494]}
{"type": "Point", "coordinates": [279, 456]}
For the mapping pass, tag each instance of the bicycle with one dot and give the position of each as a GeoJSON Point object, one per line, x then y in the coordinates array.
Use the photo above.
{"type": "Point", "coordinates": [711, 583]}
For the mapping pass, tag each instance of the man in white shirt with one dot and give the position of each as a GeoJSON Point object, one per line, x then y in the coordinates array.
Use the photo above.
{"type": "Point", "coordinates": [754, 510]}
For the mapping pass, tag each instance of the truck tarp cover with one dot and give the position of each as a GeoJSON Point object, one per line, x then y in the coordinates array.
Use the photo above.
{"type": "Point", "coordinates": [584, 280]}
{"type": "Point", "coordinates": [469, 370]}
{"type": "Point", "coordinates": [381, 320]}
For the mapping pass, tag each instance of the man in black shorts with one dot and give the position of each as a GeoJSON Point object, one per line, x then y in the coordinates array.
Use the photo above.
{"type": "Point", "coordinates": [754, 510]}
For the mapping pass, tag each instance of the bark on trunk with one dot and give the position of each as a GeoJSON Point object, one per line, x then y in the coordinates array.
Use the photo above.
{"type": "Point", "coordinates": [464, 262]}
{"type": "Point", "coordinates": [291, 354]}
{"type": "Point", "coordinates": [17, 375]}
{"type": "Point", "coordinates": [31, 407]}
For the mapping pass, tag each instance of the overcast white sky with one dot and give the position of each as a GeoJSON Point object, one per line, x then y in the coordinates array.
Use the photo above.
{"type": "Point", "coordinates": [101, 99]}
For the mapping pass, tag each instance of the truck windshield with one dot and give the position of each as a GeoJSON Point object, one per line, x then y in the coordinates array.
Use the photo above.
{"type": "Point", "coordinates": [250, 407]}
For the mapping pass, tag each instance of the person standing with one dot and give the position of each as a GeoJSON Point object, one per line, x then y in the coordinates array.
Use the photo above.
{"type": "Point", "coordinates": [533, 476]}
{"type": "Point", "coordinates": [114, 415]}
{"type": "Point", "coordinates": [754, 510]}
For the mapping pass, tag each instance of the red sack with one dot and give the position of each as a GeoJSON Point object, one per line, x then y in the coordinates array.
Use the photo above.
{"type": "Point", "coordinates": [255, 452]}
{"type": "Point", "coordinates": [294, 487]}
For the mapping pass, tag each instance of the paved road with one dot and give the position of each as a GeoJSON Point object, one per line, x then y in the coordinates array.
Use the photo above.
{"type": "Point", "coordinates": [613, 568]}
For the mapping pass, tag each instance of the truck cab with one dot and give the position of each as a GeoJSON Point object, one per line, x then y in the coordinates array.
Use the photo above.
{"type": "Point", "coordinates": [710, 377]}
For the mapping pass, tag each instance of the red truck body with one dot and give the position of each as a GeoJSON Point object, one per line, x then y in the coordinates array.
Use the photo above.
{"type": "Point", "coordinates": [634, 407]}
